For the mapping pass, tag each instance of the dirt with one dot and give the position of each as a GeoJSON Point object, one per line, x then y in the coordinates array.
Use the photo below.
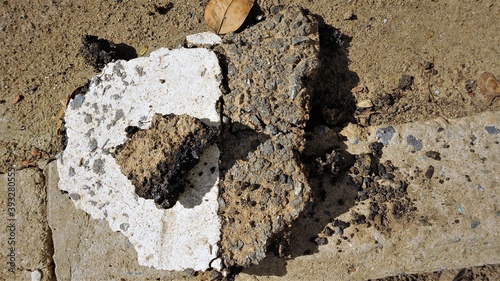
{"type": "Point", "coordinates": [158, 160]}
{"type": "Point", "coordinates": [366, 47]}
{"type": "Point", "coordinates": [380, 186]}
{"type": "Point", "coordinates": [97, 52]}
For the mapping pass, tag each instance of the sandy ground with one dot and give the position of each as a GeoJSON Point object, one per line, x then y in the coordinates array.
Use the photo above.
{"type": "Point", "coordinates": [375, 43]}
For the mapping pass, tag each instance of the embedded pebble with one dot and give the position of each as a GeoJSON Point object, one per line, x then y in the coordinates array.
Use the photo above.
{"type": "Point", "coordinates": [433, 154]}
{"type": "Point", "coordinates": [385, 134]}
{"type": "Point", "coordinates": [77, 101]}
{"type": "Point", "coordinates": [475, 224]}
{"type": "Point", "coordinates": [415, 143]}
{"type": "Point", "coordinates": [492, 130]}
{"type": "Point", "coordinates": [365, 104]}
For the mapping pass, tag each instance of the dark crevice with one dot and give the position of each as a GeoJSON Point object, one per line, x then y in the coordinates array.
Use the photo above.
{"type": "Point", "coordinates": [51, 266]}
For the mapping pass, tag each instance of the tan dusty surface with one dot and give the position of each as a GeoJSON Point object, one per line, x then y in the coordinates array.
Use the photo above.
{"type": "Point", "coordinates": [381, 41]}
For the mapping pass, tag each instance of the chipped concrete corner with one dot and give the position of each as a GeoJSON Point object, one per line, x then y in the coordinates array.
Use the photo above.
{"type": "Point", "coordinates": [183, 81]}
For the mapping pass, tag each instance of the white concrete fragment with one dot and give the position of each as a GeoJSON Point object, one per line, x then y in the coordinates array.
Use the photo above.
{"type": "Point", "coordinates": [182, 81]}
{"type": "Point", "coordinates": [203, 39]}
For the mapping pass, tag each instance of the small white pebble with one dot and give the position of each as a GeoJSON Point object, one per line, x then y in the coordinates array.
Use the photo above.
{"type": "Point", "coordinates": [36, 275]}
{"type": "Point", "coordinates": [384, 21]}
{"type": "Point", "coordinates": [437, 92]}
{"type": "Point", "coordinates": [217, 264]}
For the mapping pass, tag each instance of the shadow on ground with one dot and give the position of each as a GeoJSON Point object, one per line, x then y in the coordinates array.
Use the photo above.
{"type": "Point", "coordinates": [242, 137]}
{"type": "Point", "coordinates": [325, 156]}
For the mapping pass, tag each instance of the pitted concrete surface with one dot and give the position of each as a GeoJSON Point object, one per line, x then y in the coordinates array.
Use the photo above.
{"type": "Point", "coordinates": [27, 241]}
{"type": "Point", "coordinates": [271, 67]}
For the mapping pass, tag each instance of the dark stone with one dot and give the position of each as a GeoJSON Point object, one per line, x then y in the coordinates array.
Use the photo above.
{"type": "Point", "coordinates": [321, 241]}
{"type": "Point", "coordinates": [97, 52]}
{"type": "Point", "coordinates": [434, 155]}
{"type": "Point", "coordinates": [385, 134]}
{"type": "Point", "coordinates": [376, 149]}
{"type": "Point", "coordinates": [163, 10]}
{"type": "Point", "coordinates": [405, 82]}
{"type": "Point", "coordinates": [411, 140]}
{"type": "Point", "coordinates": [430, 172]}
{"type": "Point", "coordinates": [475, 224]}
{"type": "Point", "coordinates": [492, 130]}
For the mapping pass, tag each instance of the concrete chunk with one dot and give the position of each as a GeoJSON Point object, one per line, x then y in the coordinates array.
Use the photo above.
{"type": "Point", "coordinates": [87, 249]}
{"type": "Point", "coordinates": [270, 77]}
{"type": "Point", "coordinates": [270, 69]}
{"type": "Point", "coordinates": [158, 160]}
{"type": "Point", "coordinates": [129, 94]}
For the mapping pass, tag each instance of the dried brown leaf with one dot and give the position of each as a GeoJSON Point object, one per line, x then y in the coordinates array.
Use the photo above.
{"type": "Point", "coordinates": [60, 117]}
{"type": "Point", "coordinates": [490, 87]}
{"type": "Point", "coordinates": [224, 16]}
{"type": "Point", "coordinates": [17, 99]}
{"type": "Point", "coordinates": [27, 163]}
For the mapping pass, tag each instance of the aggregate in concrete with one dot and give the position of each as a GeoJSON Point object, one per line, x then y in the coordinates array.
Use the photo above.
{"type": "Point", "coordinates": [270, 70]}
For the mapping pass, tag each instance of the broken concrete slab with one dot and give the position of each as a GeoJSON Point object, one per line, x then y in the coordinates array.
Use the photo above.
{"type": "Point", "coordinates": [80, 242]}
{"type": "Point", "coordinates": [125, 97]}
{"type": "Point", "coordinates": [128, 94]}
{"type": "Point", "coordinates": [27, 243]}
{"type": "Point", "coordinates": [445, 231]}
{"type": "Point", "coordinates": [270, 69]}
